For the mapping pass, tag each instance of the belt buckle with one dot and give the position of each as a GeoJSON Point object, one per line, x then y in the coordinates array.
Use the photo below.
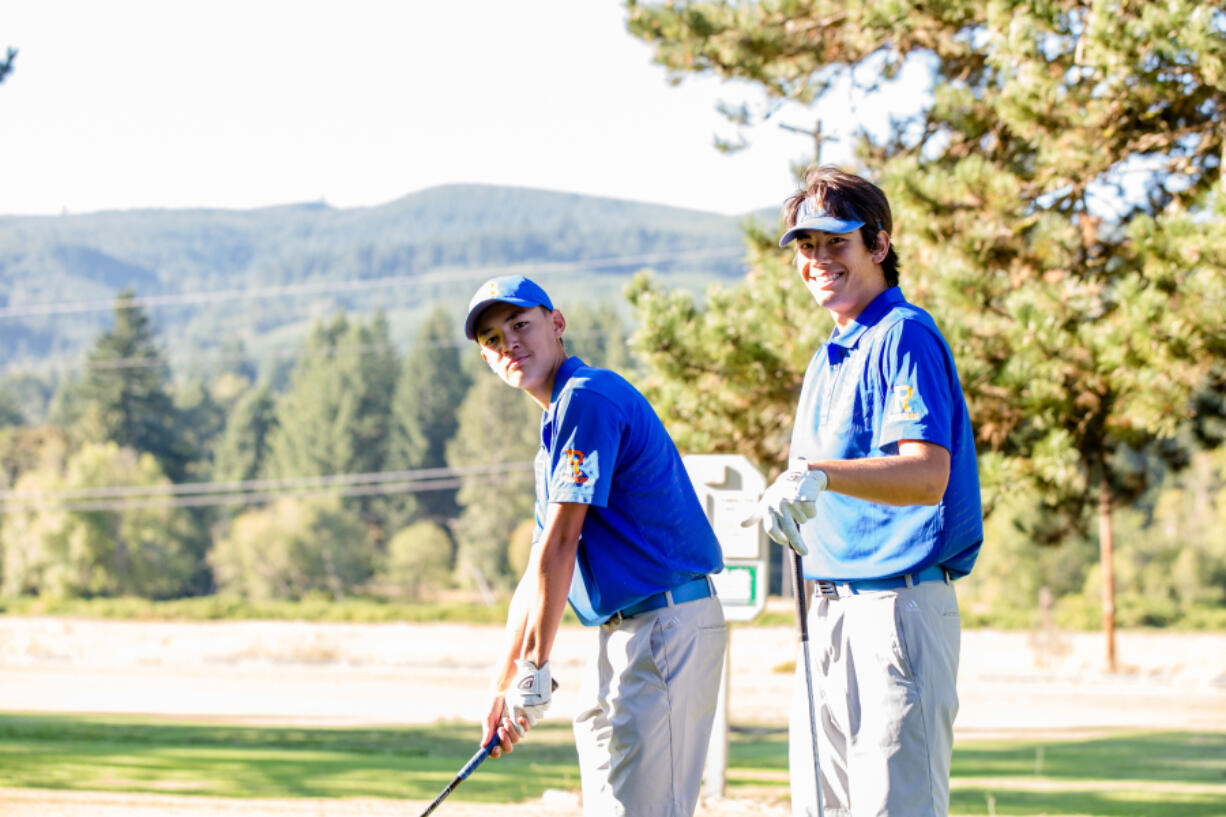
{"type": "Point", "coordinates": [827, 590]}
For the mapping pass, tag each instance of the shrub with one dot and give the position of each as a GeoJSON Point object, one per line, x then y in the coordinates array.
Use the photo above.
{"type": "Point", "coordinates": [418, 560]}
{"type": "Point", "coordinates": [293, 549]}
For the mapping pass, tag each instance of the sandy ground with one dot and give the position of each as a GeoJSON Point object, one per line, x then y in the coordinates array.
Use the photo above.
{"type": "Point", "coordinates": [1010, 684]}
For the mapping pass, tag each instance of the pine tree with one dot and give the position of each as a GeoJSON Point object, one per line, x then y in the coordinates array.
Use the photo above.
{"type": "Point", "coordinates": [6, 65]}
{"type": "Point", "coordinates": [597, 335]}
{"type": "Point", "coordinates": [335, 416]}
{"type": "Point", "coordinates": [123, 396]}
{"type": "Point", "coordinates": [429, 392]}
{"type": "Point", "coordinates": [497, 426]}
{"type": "Point", "coordinates": [10, 411]}
{"type": "Point", "coordinates": [244, 442]}
{"type": "Point", "coordinates": [1058, 207]}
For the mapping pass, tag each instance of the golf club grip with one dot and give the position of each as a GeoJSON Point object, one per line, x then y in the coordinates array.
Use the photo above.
{"type": "Point", "coordinates": [798, 578]}
{"type": "Point", "coordinates": [469, 767]}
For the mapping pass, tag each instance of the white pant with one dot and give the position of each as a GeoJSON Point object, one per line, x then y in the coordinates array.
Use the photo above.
{"type": "Point", "coordinates": [885, 667]}
{"type": "Point", "coordinates": [652, 687]}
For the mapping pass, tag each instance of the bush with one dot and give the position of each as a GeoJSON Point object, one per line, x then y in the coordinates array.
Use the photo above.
{"type": "Point", "coordinates": [142, 549]}
{"type": "Point", "coordinates": [293, 549]}
{"type": "Point", "coordinates": [418, 560]}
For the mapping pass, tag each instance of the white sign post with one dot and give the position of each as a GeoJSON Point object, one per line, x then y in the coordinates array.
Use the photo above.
{"type": "Point", "coordinates": [728, 487]}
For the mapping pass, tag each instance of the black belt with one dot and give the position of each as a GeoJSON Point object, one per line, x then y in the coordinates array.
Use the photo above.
{"type": "Point", "coordinates": [840, 589]}
{"type": "Point", "coordinates": [692, 590]}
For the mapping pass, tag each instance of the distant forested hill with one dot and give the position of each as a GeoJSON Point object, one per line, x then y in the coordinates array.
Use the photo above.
{"type": "Point", "coordinates": [258, 278]}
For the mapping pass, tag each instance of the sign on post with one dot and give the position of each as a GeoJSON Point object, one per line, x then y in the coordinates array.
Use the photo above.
{"type": "Point", "coordinates": [728, 487]}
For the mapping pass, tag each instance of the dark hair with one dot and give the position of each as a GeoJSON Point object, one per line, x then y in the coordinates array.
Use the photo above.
{"type": "Point", "coordinates": [843, 195]}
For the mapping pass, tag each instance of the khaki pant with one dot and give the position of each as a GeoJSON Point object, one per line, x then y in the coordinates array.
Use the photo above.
{"type": "Point", "coordinates": [885, 667]}
{"type": "Point", "coordinates": [652, 685]}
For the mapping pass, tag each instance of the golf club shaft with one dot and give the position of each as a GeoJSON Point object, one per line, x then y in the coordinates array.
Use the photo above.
{"type": "Point", "coordinates": [468, 769]}
{"type": "Point", "coordinates": [802, 623]}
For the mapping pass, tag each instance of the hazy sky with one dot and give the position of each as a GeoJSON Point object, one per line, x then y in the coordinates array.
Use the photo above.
{"type": "Point", "coordinates": [179, 103]}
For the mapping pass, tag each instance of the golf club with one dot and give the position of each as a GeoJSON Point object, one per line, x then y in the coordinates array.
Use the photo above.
{"type": "Point", "coordinates": [802, 622]}
{"type": "Point", "coordinates": [468, 769]}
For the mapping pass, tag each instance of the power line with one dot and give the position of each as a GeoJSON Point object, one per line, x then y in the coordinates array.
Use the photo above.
{"type": "Point", "coordinates": [225, 357]}
{"type": "Point", "coordinates": [317, 287]}
{"type": "Point", "coordinates": [249, 492]}
{"type": "Point", "coordinates": [260, 484]}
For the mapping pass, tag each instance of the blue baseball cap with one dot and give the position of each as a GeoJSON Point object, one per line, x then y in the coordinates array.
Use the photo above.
{"type": "Point", "coordinates": [505, 289]}
{"type": "Point", "coordinates": [812, 215]}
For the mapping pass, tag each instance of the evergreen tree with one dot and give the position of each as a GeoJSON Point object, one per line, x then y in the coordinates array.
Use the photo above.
{"type": "Point", "coordinates": [10, 412]}
{"type": "Point", "coordinates": [725, 376]}
{"type": "Point", "coordinates": [6, 65]}
{"type": "Point", "coordinates": [1058, 207]}
{"type": "Point", "coordinates": [29, 394]}
{"type": "Point", "coordinates": [498, 426]}
{"type": "Point", "coordinates": [336, 416]}
{"type": "Point", "coordinates": [123, 395]}
{"type": "Point", "coordinates": [598, 335]}
{"type": "Point", "coordinates": [431, 387]}
{"type": "Point", "coordinates": [244, 443]}
{"type": "Point", "coordinates": [201, 419]}
{"type": "Point", "coordinates": [234, 359]}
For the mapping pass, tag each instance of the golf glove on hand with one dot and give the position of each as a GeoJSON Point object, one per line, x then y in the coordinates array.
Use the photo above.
{"type": "Point", "coordinates": [790, 502]}
{"type": "Point", "coordinates": [529, 695]}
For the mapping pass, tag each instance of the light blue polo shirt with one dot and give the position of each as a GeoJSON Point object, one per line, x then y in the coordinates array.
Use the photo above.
{"type": "Point", "coordinates": [889, 376]}
{"type": "Point", "coordinates": [645, 530]}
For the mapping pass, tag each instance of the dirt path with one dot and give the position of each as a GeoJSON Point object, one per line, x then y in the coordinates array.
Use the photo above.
{"type": "Point", "coordinates": [383, 674]}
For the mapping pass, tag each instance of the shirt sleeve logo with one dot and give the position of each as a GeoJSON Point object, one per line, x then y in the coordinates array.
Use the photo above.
{"type": "Point", "coordinates": [578, 474]}
{"type": "Point", "coordinates": [901, 410]}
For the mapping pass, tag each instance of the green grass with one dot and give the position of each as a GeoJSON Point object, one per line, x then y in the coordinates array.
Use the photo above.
{"type": "Point", "coordinates": [129, 754]}
{"type": "Point", "coordinates": [1126, 774]}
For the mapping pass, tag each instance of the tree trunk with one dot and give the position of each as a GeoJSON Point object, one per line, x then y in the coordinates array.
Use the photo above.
{"type": "Point", "coordinates": [1106, 548]}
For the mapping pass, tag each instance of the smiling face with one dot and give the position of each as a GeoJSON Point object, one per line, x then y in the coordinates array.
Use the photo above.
{"type": "Point", "coordinates": [523, 346]}
{"type": "Point", "coordinates": [840, 272]}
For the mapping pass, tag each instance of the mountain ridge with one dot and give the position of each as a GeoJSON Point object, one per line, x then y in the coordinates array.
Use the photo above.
{"type": "Point", "coordinates": [458, 230]}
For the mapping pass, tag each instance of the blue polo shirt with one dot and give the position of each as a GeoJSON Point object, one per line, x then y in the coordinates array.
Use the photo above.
{"type": "Point", "coordinates": [888, 376]}
{"type": "Point", "coordinates": [645, 530]}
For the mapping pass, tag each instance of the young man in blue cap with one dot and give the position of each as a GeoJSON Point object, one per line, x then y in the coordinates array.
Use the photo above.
{"type": "Point", "coordinates": [881, 498]}
{"type": "Point", "coordinates": [621, 535]}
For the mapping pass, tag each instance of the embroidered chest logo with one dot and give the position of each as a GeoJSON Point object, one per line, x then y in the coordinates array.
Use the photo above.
{"type": "Point", "coordinates": [902, 409]}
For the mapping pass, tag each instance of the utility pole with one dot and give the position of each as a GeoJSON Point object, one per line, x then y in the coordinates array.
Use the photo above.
{"type": "Point", "coordinates": [1106, 548]}
{"type": "Point", "coordinates": [816, 133]}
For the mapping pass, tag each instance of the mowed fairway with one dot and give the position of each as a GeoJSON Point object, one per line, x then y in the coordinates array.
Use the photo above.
{"type": "Point", "coordinates": [1125, 775]}
{"type": "Point", "coordinates": [128, 719]}
{"type": "Point", "coordinates": [123, 754]}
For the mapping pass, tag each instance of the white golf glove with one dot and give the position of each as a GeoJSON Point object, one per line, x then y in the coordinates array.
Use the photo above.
{"type": "Point", "coordinates": [788, 503]}
{"type": "Point", "coordinates": [529, 695]}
